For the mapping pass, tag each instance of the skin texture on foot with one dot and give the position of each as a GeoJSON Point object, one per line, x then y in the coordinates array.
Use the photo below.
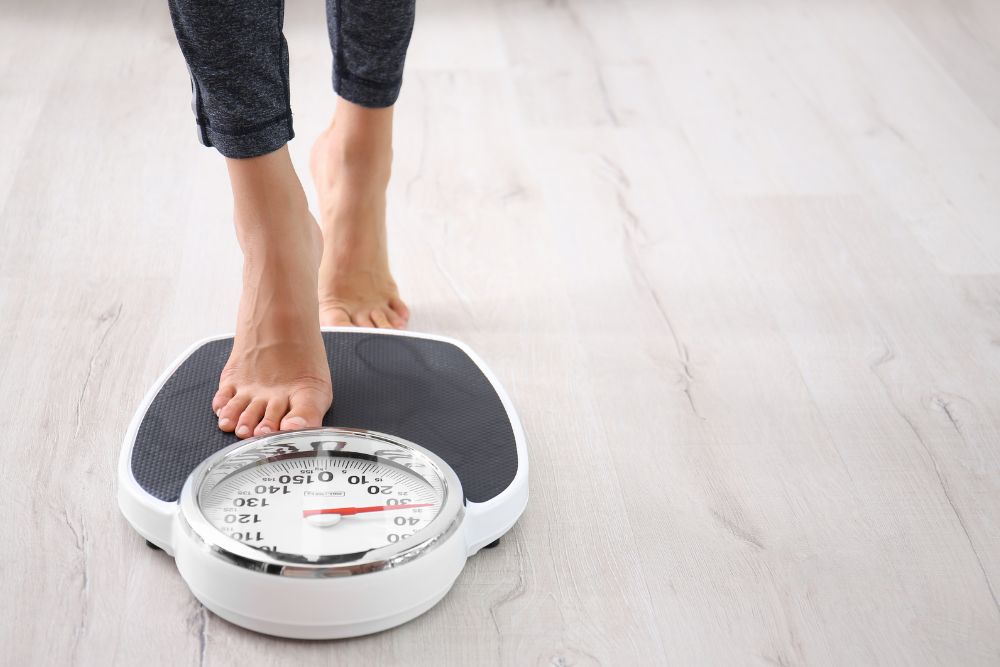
{"type": "Point", "coordinates": [277, 376]}
{"type": "Point", "coordinates": [350, 163]}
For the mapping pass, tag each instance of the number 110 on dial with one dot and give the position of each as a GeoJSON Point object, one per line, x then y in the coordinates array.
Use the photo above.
{"type": "Point", "coordinates": [321, 505]}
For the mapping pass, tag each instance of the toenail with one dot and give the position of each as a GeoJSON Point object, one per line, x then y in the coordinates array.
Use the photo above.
{"type": "Point", "coordinates": [224, 422]}
{"type": "Point", "coordinates": [243, 429]}
{"type": "Point", "coordinates": [264, 430]}
{"type": "Point", "coordinates": [295, 422]}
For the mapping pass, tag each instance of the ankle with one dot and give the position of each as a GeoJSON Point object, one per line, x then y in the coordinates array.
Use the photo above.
{"type": "Point", "coordinates": [355, 158]}
{"type": "Point", "coordinates": [266, 184]}
{"type": "Point", "coordinates": [270, 203]}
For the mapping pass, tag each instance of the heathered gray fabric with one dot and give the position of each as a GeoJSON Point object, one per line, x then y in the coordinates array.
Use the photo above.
{"type": "Point", "coordinates": [238, 61]}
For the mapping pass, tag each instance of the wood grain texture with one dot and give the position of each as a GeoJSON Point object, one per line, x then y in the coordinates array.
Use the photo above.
{"type": "Point", "coordinates": [737, 263]}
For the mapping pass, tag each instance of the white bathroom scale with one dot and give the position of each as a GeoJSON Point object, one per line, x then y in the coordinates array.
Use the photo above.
{"type": "Point", "coordinates": [338, 531]}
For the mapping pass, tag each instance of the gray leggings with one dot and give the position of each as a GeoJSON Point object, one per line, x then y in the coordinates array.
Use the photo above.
{"type": "Point", "coordinates": [238, 60]}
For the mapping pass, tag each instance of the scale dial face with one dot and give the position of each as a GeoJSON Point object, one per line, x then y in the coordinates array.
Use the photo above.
{"type": "Point", "coordinates": [322, 497]}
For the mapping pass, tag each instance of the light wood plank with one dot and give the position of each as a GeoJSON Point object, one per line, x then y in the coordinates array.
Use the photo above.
{"type": "Point", "coordinates": [737, 263]}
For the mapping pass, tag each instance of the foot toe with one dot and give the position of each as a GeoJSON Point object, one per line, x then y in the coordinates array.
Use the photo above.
{"type": "Point", "coordinates": [400, 309]}
{"type": "Point", "coordinates": [338, 317]}
{"type": "Point", "coordinates": [380, 319]}
{"type": "Point", "coordinates": [231, 411]}
{"type": "Point", "coordinates": [223, 396]}
{"type": "Point", "coordinates": [395, 320]}
{"type": "Point", "coordinates": [276, 409]}
{"type": "Point", "coordinates": [250, 417]}
{"type": "Point", "coordinates": [306, 409]}
{"type": "Point", "coordinates": [363, 319]}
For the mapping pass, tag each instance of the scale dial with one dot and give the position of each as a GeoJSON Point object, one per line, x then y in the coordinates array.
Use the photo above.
{"type": "Point", "coordinates": [322, 498]}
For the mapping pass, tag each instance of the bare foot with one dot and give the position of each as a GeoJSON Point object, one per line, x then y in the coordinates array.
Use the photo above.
{"type": "Point", "coordinates": [277, 377]}
{"type": "Point", "coordinates": [350, 164]}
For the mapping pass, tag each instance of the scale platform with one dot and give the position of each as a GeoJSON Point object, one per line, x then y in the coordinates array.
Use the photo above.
{"type": "Point", "coordinates": [424, 389]}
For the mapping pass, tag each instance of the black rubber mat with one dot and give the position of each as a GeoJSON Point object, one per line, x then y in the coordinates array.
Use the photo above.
{"type": "Point", "coordinates": [426, 391]}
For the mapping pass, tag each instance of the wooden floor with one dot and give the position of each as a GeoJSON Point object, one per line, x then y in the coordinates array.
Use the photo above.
{"type": "Point", "coordinates": [737, 262]}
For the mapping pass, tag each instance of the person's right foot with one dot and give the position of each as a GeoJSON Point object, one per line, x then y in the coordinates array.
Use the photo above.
{"type": "Point", "coordinates": [277, 377]}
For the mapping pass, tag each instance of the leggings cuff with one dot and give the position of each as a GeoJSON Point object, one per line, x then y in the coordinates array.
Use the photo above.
{"type": "Point", "coordinates": [249, 140]}
{"type": "Point", "coordinates": [365, 92]}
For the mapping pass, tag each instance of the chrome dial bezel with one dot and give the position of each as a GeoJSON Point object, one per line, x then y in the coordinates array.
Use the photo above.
{"type": "Point", "coordinates": [304, 443]}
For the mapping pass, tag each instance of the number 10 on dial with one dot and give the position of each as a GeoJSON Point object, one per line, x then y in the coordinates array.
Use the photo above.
{"type": "Point", "coordinates": [321, 532]}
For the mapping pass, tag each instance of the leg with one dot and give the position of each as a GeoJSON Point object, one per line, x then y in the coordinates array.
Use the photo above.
{"type": "Point", "coordinates": [351, 162]}
{"type": "Point", "coordinates": [238, 62]}
{"type": "Point", "coordinates": [277, 375]}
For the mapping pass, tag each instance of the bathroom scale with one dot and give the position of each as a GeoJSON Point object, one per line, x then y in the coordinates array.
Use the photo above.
{"type": "Point", "coordinates": [347, 529]}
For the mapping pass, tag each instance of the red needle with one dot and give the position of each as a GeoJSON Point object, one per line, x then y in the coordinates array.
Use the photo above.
{"type": "Point", "coordinates": [348, 511]}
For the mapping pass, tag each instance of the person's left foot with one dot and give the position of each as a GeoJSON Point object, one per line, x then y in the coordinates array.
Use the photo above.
{"type": "Point", "coordinates": [350, 164]}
